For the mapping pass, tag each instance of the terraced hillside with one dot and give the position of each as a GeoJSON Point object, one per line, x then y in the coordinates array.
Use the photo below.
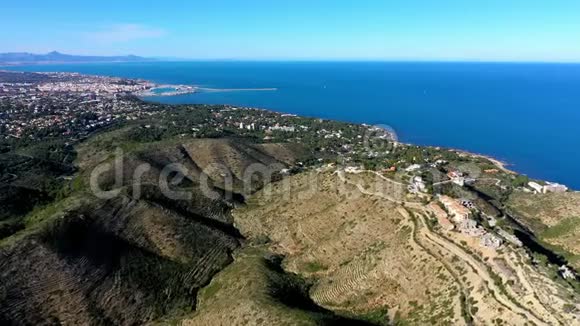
{"type": "Point", "coordinates": [254, 290]}
{"type": "Point", "coordinates": [139, 256]}
{"type": "Point", "coordinates": [123, 260]}
{"type": "Point", "coordinates": [371, 252]}
{"type": "Point", "coordinates": [360, 248]}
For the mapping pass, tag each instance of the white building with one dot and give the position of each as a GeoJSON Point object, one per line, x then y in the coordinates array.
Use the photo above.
{"type": "Point", "coordinates": [490, 241]}
{"type": "Point", "coordinates": [413, 167]}
{"type": "Point", "coordinates": [536, 187]}
{"type": "Point", "coordinates": [470, 228]}
{"type": "Point", "coordinates": [492, 221]}
{"type": "Point", "coordinates": [567, 273]}
{"type": "Point", "coordinates": [549, 187]}
{"type": "Point", "coordinates": [554, 187]}
{"type": "Point", "coordinates": [460, 181]}
{"type": "Point", "coordinates": [418, 185]}
{"type": "Point", "coordinates": [352, 169]}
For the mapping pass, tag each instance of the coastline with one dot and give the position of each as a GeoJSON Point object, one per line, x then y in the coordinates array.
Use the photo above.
{"type": "Point", "coordinates": [185, 89]}
{"type": "Point", "coordinates": [502, 165]}
{"type": "Point", "coordinates": [176, 90]}
{"type": "Point", "coordinates": [498, 163]}
{"type": "Point", "coordinates": [391, 134]}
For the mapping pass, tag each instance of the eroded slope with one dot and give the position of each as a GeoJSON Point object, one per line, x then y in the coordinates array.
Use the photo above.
{"type": "Point", "coordinates": [138, 257]}
{"type": "Point", "coordinates": [371, 251]}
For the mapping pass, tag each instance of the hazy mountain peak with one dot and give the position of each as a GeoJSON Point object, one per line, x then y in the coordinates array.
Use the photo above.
{"type": "Point", "coordinates": [58, 57]}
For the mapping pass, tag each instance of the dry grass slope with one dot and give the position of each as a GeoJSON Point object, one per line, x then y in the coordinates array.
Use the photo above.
{"type": "Point", "coordinates": [121, 260]}
{"type": "Point", "coordinates": [554, 217]}
{"type": "Point", "coordinates": [359, 248]}
{"type": "Point", "coordinates": [254, 290]}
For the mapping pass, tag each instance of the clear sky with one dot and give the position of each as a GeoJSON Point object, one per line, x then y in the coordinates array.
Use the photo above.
{"type": "Point", "coordinates": [489, 30]}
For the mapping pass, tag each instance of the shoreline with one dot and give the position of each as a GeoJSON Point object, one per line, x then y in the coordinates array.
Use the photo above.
{"type": "Point", "coordinates": [190, 89]}
{"type": "Point", "coordinates": [501, 165]}
{"type": "Point", "coordinates": [498, 163]}
{"type": "Point", "coordinates": [178, 90]}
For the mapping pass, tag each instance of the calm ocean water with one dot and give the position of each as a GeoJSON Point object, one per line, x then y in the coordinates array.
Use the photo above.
{"type": "Point", "coordinates": [525, 114]}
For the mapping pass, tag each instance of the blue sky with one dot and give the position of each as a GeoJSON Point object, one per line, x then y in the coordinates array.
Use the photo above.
{"type": "Point", "coordinates": [488, 30]}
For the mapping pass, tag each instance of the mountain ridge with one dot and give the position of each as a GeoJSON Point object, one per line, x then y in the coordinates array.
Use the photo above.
{"type": "Point", "coordinates": [15, 58]}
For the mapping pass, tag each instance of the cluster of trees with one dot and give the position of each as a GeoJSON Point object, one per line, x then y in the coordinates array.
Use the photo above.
{"type": "Point", "coordinates": [31, 176]}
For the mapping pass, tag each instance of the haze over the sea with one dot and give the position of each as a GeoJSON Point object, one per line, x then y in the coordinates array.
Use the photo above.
{"type": "Point", "coordinates": [525, 114]}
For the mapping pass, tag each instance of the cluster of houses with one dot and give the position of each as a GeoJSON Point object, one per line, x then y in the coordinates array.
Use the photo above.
{"type": "Point", "coordinates": [250, 126]}
{"type": "Point", "coordinates": [456, 215]}
{"type": "Point", "coordinates": [330, 134]}
{"type": "Point", "coordinates": [457, 178]}
{"type": "Point", "coordinates": [252, 122]}
{"type": "Point", "coordinates": [276, 127]}
{"type": "Point", "coordinates": [95, 85]}
{"type": "Point", "coordinates": [71, 104]}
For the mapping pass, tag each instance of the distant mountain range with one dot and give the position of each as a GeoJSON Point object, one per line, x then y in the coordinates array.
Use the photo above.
{"type": "Point", "coordinates": [57, 57]}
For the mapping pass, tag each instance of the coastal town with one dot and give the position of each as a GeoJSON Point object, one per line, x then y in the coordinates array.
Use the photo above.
{"type": "Point", "coordinates": [70, 105]}
{"type": "Point", "coordinates": [37, 105]}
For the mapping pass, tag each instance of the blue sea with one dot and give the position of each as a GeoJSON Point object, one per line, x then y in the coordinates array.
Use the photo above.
{"type": "Point", "coordinates": [527, 115]}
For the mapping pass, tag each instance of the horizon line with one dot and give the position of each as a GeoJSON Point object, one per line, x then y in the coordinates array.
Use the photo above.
{"type": "Point", "coordinates": [386, 60]}
{"type": "Point", "coordinates": [161, 58]}
{"type": "Point", "coordinates": [296, 60]}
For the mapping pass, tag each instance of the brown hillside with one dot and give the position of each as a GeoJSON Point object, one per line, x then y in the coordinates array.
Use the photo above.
{"type": "Point", "coordinates": [129, 260]}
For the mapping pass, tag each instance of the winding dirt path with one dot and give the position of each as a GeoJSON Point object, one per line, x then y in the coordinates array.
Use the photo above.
{"type": "Point", "coordinates": [483, 272]}
{"type": "Point", "coordinates": [415, 242]}
{"type": "Point", "coordinates": [451, 247]}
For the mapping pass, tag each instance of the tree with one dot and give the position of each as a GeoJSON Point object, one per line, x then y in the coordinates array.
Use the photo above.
{"type": "Point", "coordinates": [520, 181]}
